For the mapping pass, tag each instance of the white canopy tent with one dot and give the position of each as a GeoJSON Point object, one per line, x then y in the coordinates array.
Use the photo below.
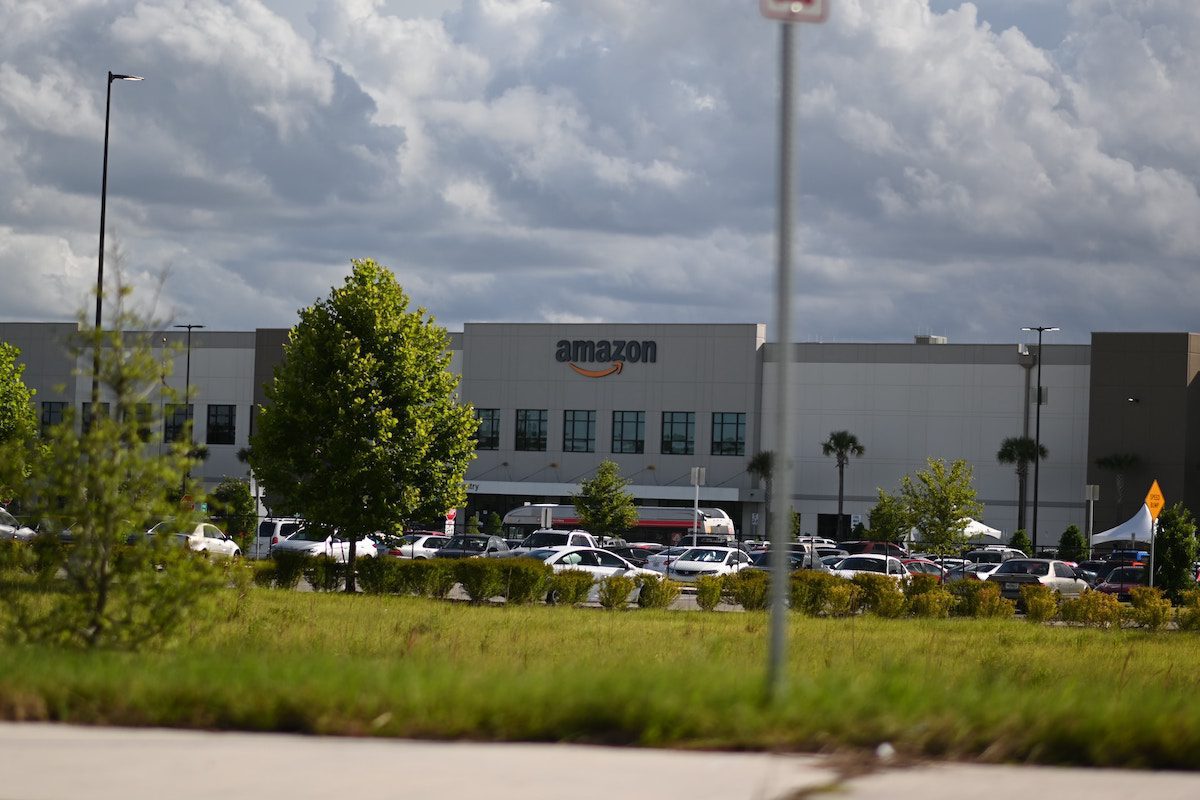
{"type": "Point", "coordinates": [1137, 528]}
{"type": "Point", "coordinates": [976, 530]}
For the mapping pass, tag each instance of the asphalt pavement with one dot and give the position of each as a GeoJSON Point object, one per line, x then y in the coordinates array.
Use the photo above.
{"type": "Point", "coordinates": [64, 762]}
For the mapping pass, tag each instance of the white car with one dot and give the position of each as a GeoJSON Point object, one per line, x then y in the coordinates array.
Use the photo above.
{"type": "Point", "coordinates": [416, 546]}
{"type": "Point", "coordinates": [698, 561]}
{"type": "Point", "coordinates": [315, 541]}
{"type": "Point", "coordinates": [544, 538]}
{"type": "Point", "coordinates": [871, 562]}
{"type": "Point", "coordinates": [271, 531]}
{"type": "Point", "coordinates": [600, 563]}
{"type": "Point", "coordinates": [207, 538]}
{"type": "Point", "coordinates": [658, 561]}
{"type": "Point", "coordinates": [11, 528]}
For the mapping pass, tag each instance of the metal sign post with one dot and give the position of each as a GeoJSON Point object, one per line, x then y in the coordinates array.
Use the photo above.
{"type": "Point", "coordinates": [781, 473]}
{"type": "Point", "coordinates": [1154, 502]}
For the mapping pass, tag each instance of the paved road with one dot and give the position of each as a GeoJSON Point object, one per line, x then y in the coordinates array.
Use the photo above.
{"type": "Point", "coordinates": [62, 762]}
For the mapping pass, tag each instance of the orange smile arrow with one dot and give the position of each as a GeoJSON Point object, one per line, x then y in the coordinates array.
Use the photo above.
{"type": "Point", "coordinates": [616, 367]}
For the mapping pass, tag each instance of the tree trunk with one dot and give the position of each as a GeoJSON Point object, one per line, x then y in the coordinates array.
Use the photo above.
{"type": "Point", "coordinates": [350, 588]}
{"type": "Point", "coordinates": [841, 494]}
{"type": "Point", "coordinates": [1022, 482]}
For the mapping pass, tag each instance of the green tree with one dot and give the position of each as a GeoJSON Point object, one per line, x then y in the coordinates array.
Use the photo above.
{"type": "Point", "coordinates": [604, 506]}
{"type": "Point", "coordinates": [106, 482]}
{"type": "Point", "coordinates": [1021, 451]}
{"type": "Point", "coordinates": [18, 422]}
{"type": "Point", "coordinates": [473, 525]}
{"type": "Point", "coordinates": [362, 429]}
{"type": "Point", "coordinates": [233, 503]}
{"type": "Point", "coordinates": [1120, 465]}
{"type": "Point", "coordinates": [494, 524]}
{"type": "Point", "coordinates": [1072, 546]}
{"type": "Point", "coordinates": [1175, 551]}
{"type": "Point", "coordinates": [890, 519]}
{"type": "Point", "coordinates": [795, 525]}
{"type": "Point", "coordinates": [940, 500]}
{"type": "Point", "coordinates": [1021, 541]}
{"type": "Point", "coordinates": [841, 445]}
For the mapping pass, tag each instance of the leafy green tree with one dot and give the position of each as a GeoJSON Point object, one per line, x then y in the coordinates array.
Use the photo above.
{"type": "Point", "coordinates": [1072, 546]}
{"type": "Point", "coordinates": [473, 525]}
{"type": "Point", "coordinates": [362, 429]}
{"type": "Point", "coordinates": [1021, 541]}
{"type": "Point", "coordinates": [493, 524]}
{"type": "Point", "coordinates": [233, 503]}
{"type": "Point", "coordinates": [890, 519]}
{"type": "Point", "coordinates": [940, 500]}
{"type": "Point", "coordinates": [604, 506]}
{"type": "Point", "coordinates": [18, 422]}
{"type": "Point", "coordinates": [841, 445]}
{"type": "Point", "coordinates": [108, 484]}
{"type": "Point", "coordinates": [1021, 451]}
{"type": "Point", "coordinates": [795, 525]}
{"type": "Point", "coordinates": [1120, 465]}
{"type": "Point", "coordinates": [1175, 552]}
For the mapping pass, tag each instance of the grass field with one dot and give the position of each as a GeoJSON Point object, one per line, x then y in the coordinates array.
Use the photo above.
{"type": "Point", "coordinates": [995, 690]}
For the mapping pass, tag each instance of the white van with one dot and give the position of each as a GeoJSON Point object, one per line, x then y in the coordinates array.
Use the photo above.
{"type": "Point", "coordinates": [271, 531]}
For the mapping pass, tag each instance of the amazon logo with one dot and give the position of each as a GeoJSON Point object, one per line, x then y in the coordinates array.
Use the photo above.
{"type": "Point", "coordinates": [615, 353]}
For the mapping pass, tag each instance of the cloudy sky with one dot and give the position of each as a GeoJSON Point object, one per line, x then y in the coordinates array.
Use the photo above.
{"type": "Point", "coordinates": [964, 168]}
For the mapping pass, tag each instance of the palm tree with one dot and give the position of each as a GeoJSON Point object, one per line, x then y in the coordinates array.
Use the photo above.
{"type": "Point", "coordinates": [1021, 450]}
{"type": "Point", "coordinates": [1120, 464]}
{"type": "Point", "coordinates": [760, 467]}
{"type": "Point", "coordinates": [841, 445]}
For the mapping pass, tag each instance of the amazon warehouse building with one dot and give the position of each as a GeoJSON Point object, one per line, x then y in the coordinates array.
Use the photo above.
{"type": "Point", "coordinates": [554, 400]}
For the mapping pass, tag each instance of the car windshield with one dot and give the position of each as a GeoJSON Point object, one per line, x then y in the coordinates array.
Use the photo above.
{"type": "Point", "coordinates": [704, 555]}
{"type": "Point", "coordinates": [7, 519]}
{"type": "Point", "coordinates": [864, 564]}
{"type": "Point", "coordinates": [545, 539]}
{"type": "Point", "coordinates": [472, 543]}
{"type": "Point", "coordinates": [541, 554]}
{"type": "Point", "coordinates": [1019, 566]}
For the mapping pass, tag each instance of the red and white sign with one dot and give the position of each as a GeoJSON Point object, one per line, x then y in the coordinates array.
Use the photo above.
{"type": "Point", "coordinates": [450, 515]}
{"type": "Point", "coordinates": [795, 10]}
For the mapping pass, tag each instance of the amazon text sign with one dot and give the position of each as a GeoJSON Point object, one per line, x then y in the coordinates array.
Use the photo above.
{"type": "Point", "coordinates": [585, 351]}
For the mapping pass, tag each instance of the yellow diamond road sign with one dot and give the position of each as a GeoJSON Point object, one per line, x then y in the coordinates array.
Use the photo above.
{"type": "Point", "coordinates": [1154, 500]}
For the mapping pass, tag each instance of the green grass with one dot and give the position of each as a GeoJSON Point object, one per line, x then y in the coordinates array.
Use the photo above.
{"type": "Point", "coordinates": [995, 690]}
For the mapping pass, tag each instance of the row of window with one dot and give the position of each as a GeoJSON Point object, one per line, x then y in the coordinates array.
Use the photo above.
{"type": "Point", "coordinates": [628, 431]}
{"type": "Point", "coordinates": [222, 419]}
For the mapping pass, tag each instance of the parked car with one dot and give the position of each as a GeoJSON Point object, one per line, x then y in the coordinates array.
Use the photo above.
{"type": "Point", "coordinates": [12, 528]}
{"type": "Point", "coordinates": [315, 540]}
{"type": "Point", "coordinates": [921, 566]}
{"type": "Point", "coordinates": [993, 554]}
{"type": "Point", "coordinates": [270, 532]}
{"type": "Point", "coordinates": [796, 560]}
{"type": "Point", "coordinates": [1058, 575]}
{"type": "Point", "coordinates": [470, 546]}
{"type": "Point", "coordinates": [417, 545]}
{"type": "Point", "coordinates": [877, 563]}
{"type": "Point", "coordinates": [207, 538]}
{"type": "Point", "coordinates": [1121, 580]}
{"type": "Point", "coordinates": [697, 561]}
{"type": "Point", "coordinates": [634, 555]}
{"type": "Point", "coordinates": [858, 548]}
{"type": "Point", "coordinates": [549, 537]}
{"type": "Point", "coordinates": [658, 561]}
{"type": "Point", "coordinates": [977, 572]}
{"type": "Point", "coordinates": [1139, 556]}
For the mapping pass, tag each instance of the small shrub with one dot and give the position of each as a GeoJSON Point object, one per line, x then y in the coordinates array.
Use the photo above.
{"type": "Point", "coordinates": [1094, 609]}
{"type": "Point", "coordinates": [657, 592]}
{"type": "Point", "coordinates": [881, 595]}
{"type": "Point", "coordinates": [263, 573]}
{"type": "Point", "coordinates": [843, 599]}
{"type": "Point", "coordinates": [1150, 609]}
{"type": "Point", "coordinates": [932, 603]}
{"type": "Point", "coordinates": [324, 574]}
{"type": "Point", "coordinates": [378, 575]}
{"type": "Point", "coordinates": [810, 591]}
{"type": "Point", "coordinates": [966, 596]}
{"type": "Point", "coordinates": [569, 587]}
{"type": "Point", "coordinates": [990, 603]}
{"type": "Point", "coordinates": [1189, 612]}
{"type": "Point", "coordinates": [15, 556]}
{"type": "Point", "coordinates": [750, 588]}
{"type": "Point", "coordinates": [439, 577]}
{"type": "Point", "coordinates": [48, 555]}
{"type": "Point", "coordinates": [1039, 601]}
{"type": "Point", "coordinates": [708, 592]}
{"type": "Point", "coordinates": [289, 567]}
{"type": "Point", "coordinates": [919, 584]}
{"type": "Point", "coordinates": [615, 591]}
{"type": "Point", "coordinates": [523, 580]}
{"type": "Point", "coordinates": [479, 578]}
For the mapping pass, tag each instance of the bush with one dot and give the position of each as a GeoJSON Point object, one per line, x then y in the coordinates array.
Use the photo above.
{"type": "Point", "coordinates": [919, 584]}
{"type": "Point", "coordinates": [479, 577]}
{"type": "Point", "coordinates": [569, 587]}
{"type": "Point", "coordinates": [810, 591]}
{"type": "Point", "coordinates": [966, 596]}
{"type": "Point", "coordinates": [289, 567]}
{"type": "Point", "coordinates": [657, 592]}
{"type": "Point", "coordinates": [1040, 602]}
{"type": "Point", "coordinates": [750, 588]}
{"type": "Point", "coordinates": [843, 598]}
{"type": "Point", "coordinates": [523, 580]}
{"type": "Point", "coordinates": [1094, 609]}
{"type": "Point", "coordinates": [324, 574]}
{"type": "Point", "coordinates": [15, 556]}
{"type": "Point", "coordinates": [992, 604]}
{"type": "Point", "coordinates": [1150, 608]}
{"type": "Point", "coordinates": [1189, 613]}
{"type": "Point", "coordinates": [934, 602]}
{"type": "Point", "coordinates": [881, 595]}
{"type": "Point", "coordinates": [615, 591]}
{"type": "Point", "coordinates": [378, 575]}
{"type": "Point", "coordinates": [263, 573]}
{"type": "Point", "coordinates": [48, 553]}
{"type": "Point", "coordinates": [708, 591]}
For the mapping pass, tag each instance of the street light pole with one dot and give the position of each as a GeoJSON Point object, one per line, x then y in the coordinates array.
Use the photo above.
{"type": "Point", "coordinates": [187, 382]}
{"type": "Point", "coordinates": [1037, 430]}
{"type": "Point", "coordinates": [103, 208]}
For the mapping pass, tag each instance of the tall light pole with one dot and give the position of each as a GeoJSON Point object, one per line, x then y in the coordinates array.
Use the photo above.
{"type": "Point", "coordinates": [103, 207]}
{"type": "Point", "coordinates": [187, 383]}
{"type": "Point", "coordinates": [1037, 430]}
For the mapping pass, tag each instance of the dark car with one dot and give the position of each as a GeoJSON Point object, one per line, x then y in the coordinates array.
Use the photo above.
{"type": "Point", "coordinates": [796, 560]}
{"type": "Point", "coordinates": [1098, 569]}
{"type": "Point", "coordinates": [471, 546]}
{"type": "Point", "coordinates": [635, 555]}
{"type": "Point", "coordinates": [1121, 580]}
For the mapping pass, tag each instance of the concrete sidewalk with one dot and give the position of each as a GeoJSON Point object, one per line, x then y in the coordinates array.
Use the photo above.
{"type": "Point", "coordinates": [62, 762]}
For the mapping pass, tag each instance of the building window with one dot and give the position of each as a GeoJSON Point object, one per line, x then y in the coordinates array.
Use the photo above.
{"type": "Point", "coordinates": [87, 415]}
{"type": "Point", "coordinates": [176, 418]}
{"type": "Point", "coordinates": [222, 424]}
{"type": "Point", "coordinates": [629, 432]}
{"type": "Point", "coordinates": [728, 433]}
{"type": "Point", "coordinates": [679, 433]}
{"type": "Point", "coordinates": [579, 431]}
{"type": "Point", "coordinates": [53, 412]}
{"type": "Point", "coordinates": [531, 429]}
{"type": "Point", "coordinates": [143, 413]}
{"type": "Point", "coordinates": [487, 435]}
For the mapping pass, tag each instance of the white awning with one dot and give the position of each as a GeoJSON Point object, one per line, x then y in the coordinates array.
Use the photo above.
{"type": "Point", "coordinates": [1137, 528]}
{"type": "Point", "coordinates": [977, 530]}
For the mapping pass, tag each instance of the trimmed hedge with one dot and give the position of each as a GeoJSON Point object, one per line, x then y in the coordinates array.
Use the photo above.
{"type": "Point", "coordinates": [708, 592]}
{"type": "Point", "coordinates": [323, 573]}
{"type": "Point", "coordinates": [479, 578]}
{"type": "Point", "coordinates": [1040, 602]}
{"type": "Point", "coordinates": [657, 591]}
{"type": "Point", "coordinates": [1094, 609]}
{"type": "Point", "coordinates": [615, 591]}
{"type": "Point", "coordinates": [569, 587]}
{"type": "Point", "coordinates": [749, 588]}
{"type": "Point", "coordinates": [810, 591]}
{"type": "Point", "coordinates": [881, 595]}
{"type": "Point", "coordinates": [523, 580]}
{"type": "Point", "coordinates": [974, 598]}
{"type": "Point", "coordinates": [289, 567]}
{"type": "Point", "coordinates": [932, 603]}
{"type": "Point", "coordinates": [1150, 608]}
